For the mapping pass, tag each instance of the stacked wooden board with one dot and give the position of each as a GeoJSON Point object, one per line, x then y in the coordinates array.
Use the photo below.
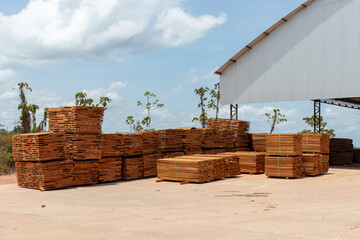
{"type": "Point", "coordinates": [76, 119]}
{"type": "Point", "coordinates": [251, 162]}
{"type": "Point", "coordinates": [133, 143]}
{"type": "Point", "coordinates": [151, 152]}
{"type": "Point", "coordinates": [83, 146]}
{"type": "Point", "coordinates": [239, 131]}
{"type": "Point", "coordinates": [209, 136]}
{"type": "Point", "coordinates": [283, 155]}
{"type": "Point", "coordinates": [315, 164]}
{"type": "Point", "coordinates": [192, 140]}
{"type": "Point", "coordinates": [356, 155]}
{"type": "Point", "coordinates": [198, 168]}
{"type": "Point", "coordinates": [341, 151]}
{"type": "Point", "coordinates": [316, 149]}
{"type": "Point", "coordinates": [171, 140]}
{"type": "Point", "coordinates": [258, 142]}
{"type": "Point", "coordinates": [132, 168]}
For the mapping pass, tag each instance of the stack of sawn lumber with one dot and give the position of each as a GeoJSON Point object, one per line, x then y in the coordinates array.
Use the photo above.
{"type": "Point", "coordinates": [315, 148]}
{"type": "Point", "coordinates": [198, 168]}
{"type": "Point", "coordinates": [341, 151]}
{"type": "Point", "coordinates": [110, 164]}
{"type": "Point", "coordinates": [40, 161]}
{"type": "Point", "coordinates": [283, 155]}
{"type": "Point", "coordinates": [237, 129]}
{"type": "Point", "coordinates": [258, 142]}
{"type": "Point", "coordinates": [356, 155]}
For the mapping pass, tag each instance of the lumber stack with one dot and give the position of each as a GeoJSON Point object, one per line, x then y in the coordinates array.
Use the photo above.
{"type": "Point", "coordinates": [76, 119]}
{"type": "Point", "coordinates": [83, 146]}
{"type": "Point", "coordinates": [39, 147]}
{"type": "Point", "coordinates": [112, 145]}
{"type": "Point", "coordinates": [133, 144]}
{"type": "Point", "coordinates": [283, 155]}
{"type": "Point", "coordinates": [86, 172]}
{"type": "Point", "coordinates": [356, 155]}
{"type": "Point", "coordinates": [151, 152]}
{"type": "Point", "coordinates": [171, 140]}
{"type": "Point", "coordinates": [251, 162]}
{"type": "Point", "coordinates": [132, 168]}
{"type": "Point", "coordinates": [258, 142]}
{"type": "Point", "coordinates": [110, 169]}
{"type": "Point", "coordinates": [47, 175]}
{"type": "Point", "coordinates": [315, 143]}
{"type": "Point", "coordinates": [150, 168]}
{"type": "Point", "coordinates": [341, 151]}
{"type": "Point", "coordinates": [315, 164]}
{"type": "Point", "coordinates": [225, 139]}
{"type": "Point", "coordinates": [192, 140]}
{"type": "Point", "coordinates": [225, 164]}
{"type": "Point", "coordinates": [209, 136]}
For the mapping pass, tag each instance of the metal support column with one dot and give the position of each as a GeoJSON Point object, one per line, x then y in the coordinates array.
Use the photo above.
{"type": "Point", "coordinates": [234, 112]}
{"type": "Point", "coordinates": [317, 115]}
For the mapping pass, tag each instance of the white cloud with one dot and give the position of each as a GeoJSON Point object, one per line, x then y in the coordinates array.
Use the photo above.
{"type": "Point", "coordinates": [193, 76]}
{"type": "Point", "coordinates": [111, 91]}
{"type": "Point", "coordinates": [45, 31]}
{"type": "Point", "coordinates": [8, 95]}
{"type": "Point", "coordinates": [6, 74]}
{"type": "Point", "coordinates": [179, 28]}
{"type": "Point", "coordinates": [118, 85]}
{"type": "Point", "coordinates": [179, 89]}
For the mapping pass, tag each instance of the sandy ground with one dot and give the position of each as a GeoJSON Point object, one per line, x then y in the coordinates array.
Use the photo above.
{"type": "Point", "coordinates": [247, 207]}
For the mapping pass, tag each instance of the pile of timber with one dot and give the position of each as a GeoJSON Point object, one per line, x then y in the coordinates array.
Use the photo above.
{"type": "Point", "coordinates": [171, 140]}
{"type": "Point", "coordinates": [86, 172]}
{"type": "Point", "coordinates": [315, 143]}
{"type": "Point", "coordinates": [258, 142]}
{"type": "Point", "coordinates": [132, 168]}
{"type": "Point", "coordinates": [192, 140]}
{"type": "Point", "coordinates": [316, 149]}
{"type": "Point", "coordinates": [76, 119]}
{"type": "Point", "coordinates": [315, 164]}
{"type": "Point", "coordinates": [112, 145]}
{"type": "Point", "coordinates": [225, 139]}
{"type": "Point", "coordinates": [40, 161]}
{"type": "Point", "coordinates": [150, 142]}
{"type": "Point", "coordinates": [83, 146]}
{"type": "Point", "coordinates": [251, 162]}
{"type": "Point", "coordinates": [198, 168]}
{"type": "Point", "coordinates": [110, 169]}
{"type": "Point", "coordinates": [341, 151]}
{"type": "Point", "coordinates": [150, 160]}
{"type": "Point", "coordinates": [239, 130]}
{"type": "Point", "coordinates": [47, 175]}
{"type": "Point", "coordinates": [209, 136]}
{"type": "Point", "coordinates": [133, 144]}
{"type": "Point", "coordinates": [39, 147]}
{"type": "Point", "coordinates": [356, 155]}
{"type": "Point", "coordinates": [283, 155]}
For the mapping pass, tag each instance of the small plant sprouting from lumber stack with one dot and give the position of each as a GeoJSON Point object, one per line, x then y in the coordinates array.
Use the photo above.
{"type": "Point", "coordinates": [310, 121]}
{"type": "Point", "coordinates": [275, 119]}
{"type": "Point", "coordinates": [81, 99]}
{"type": "Point", "coordinates": [28, 112]}
{"type": "Point", "coordinates": [203, 116]}
{"type": "Point", "coordinates": [151, 104]}
{"type": "Point", "coordinates": [134, 126]}
{"type": "Point", "coordinates": [215, 99]}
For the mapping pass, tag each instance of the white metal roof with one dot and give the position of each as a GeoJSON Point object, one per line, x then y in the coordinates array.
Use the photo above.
{"type": "Point", "coordinates": [312, 53]}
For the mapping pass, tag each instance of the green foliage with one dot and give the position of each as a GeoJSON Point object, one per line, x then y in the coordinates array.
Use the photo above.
{"type": "Point", "coordinates": [202, 105]}
{"type": "Point", "coordinates": [135, 126]}
{"type": "Point", "coordinates": [275, 119]}
{"type": "Point", "coordinates": [215, 99]}
{"type": "Point", "coordinates": [151, 104]}
{"type": "Point", "coordinates": [81, 99]}
{"type": "Point", "coordinates": [310, 121]}
{"type": "Point", "coordinates": [28, 112]}
{"type": "Point", "coordinates": [7, 164]}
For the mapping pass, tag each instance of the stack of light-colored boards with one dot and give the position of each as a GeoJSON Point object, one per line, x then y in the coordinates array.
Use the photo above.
{"type": "Point", "coordinates": [316, 149]}
{"type": "Point", "coordinates": [192, 140]}
{"type": "Point", "coordinates": [258, 142]}
{"type": "Point", "coordinates": [283, 155]}
{"type": "Point", "coordinates": [198, 168]}
{"type": "Point", "coordinates": [341, 151]}
{"type": "Point", "coordinates": [76, 119]}
{"type": "Point", "coordinates": [251, 162]}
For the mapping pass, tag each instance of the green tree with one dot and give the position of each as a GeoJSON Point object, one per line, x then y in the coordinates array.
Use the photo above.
{"type": "Point", "coordinates": [7, 164]}
{"type": "Point", "coordinates": [151, 104]}
{"type": "Point", "coordinates": [81, 99]}
{"type": "Point", "coordinates": [215, 99]}
{"type": "Point", "coordinates": [310, 121]}
{"type": "Point", "coordinates": [275, 119]}
{"type": "Point", "coordinates": [202, 105]}
{"type": "Point", "coordinates": [28, 112]}
{"type": "Point", "coordinates": [135, 126]}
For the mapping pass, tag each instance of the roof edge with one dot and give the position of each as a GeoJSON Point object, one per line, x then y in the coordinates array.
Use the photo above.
{"type": "Point", "coordinates": [261, 37]}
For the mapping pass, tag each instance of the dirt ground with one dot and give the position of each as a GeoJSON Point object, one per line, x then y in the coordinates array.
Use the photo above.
{"type": "Point", "coordinates": [246, 207]}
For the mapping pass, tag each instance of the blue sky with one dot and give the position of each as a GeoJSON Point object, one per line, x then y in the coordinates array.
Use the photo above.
{"type": "Point", "coordinates": [125, 48]}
